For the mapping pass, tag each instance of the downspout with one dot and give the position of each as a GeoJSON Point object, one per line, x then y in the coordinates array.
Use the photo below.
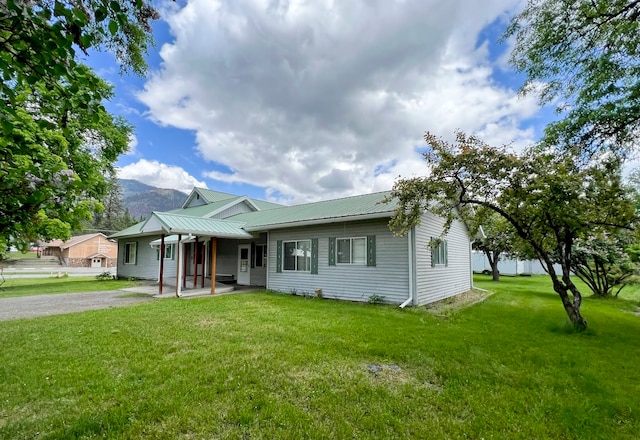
{"type": "Point", "coordinates": [411, 257]}
{"type": "Point", "coordinates": [471, 263]}
{"type": "Point", "coordinates": [180, 253]}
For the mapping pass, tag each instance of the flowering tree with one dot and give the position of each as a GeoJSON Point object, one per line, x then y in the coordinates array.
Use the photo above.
{"type": "Point", "coordinates": [550, 200]}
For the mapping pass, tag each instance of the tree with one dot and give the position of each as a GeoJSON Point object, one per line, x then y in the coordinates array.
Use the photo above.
{"type": "Point", "coordinates": [548, 199]}
{"type": "Point", "coordinates": [114, 217]}
{"type": "Point", "coordinates": [604, 263]}
{"type": "Point", "coordinates": [586, 55]}
{"type": "Point", "coordinates": [57, 141]}
{"type": "Point", "coordinates": [498, 237]}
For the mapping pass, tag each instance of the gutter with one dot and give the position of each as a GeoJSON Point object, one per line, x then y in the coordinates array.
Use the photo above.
{"type": "Point", "coordinates": [180, 256]}
{"type": "Point", "coordinates": [412, 284]}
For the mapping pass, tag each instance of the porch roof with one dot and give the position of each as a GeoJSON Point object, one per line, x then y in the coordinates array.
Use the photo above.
{"type": "Point", "coordinates": [165, 223]}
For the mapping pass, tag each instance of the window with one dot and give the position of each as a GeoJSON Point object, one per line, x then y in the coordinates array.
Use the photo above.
{"type": "Point", "coordinates": [351, 250]}
{"type": "Point", "coordinates": [260, 255]}
{"type": "Point", "coordinates": [168, 252]}
{"type": "Point", "coordinates": [130, 252]}
{"type": "Point", "coordinates": [297, 255]}
{"type": "Point", "coordinates": [438, 252]}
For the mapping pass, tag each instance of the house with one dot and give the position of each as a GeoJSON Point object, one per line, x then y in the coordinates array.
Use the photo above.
{"type": "Point", "coordinates": [89, 250]}
{"type": "Point", "coordinates": [342, 248]}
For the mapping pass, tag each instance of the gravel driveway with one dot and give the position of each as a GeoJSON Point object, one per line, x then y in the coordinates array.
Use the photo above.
{"type": "Point", "coordinates": [43, 305]}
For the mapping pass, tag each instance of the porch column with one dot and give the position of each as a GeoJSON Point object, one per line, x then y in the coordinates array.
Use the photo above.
{"type": "Point", "coordinates": [195, 264]}
{"type": "Point", "coordinates": [214, 254]}
{"type": "Point", "coordinates": [179, 252]}
{"type": "Point", "coordinates": [161, 263]}
{"type": "Point", "coordinates": [184, 269]}
{"type": "Point", "coordinates": [204, 262]}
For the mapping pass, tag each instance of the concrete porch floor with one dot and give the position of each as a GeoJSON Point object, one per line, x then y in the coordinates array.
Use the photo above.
{"type": "Point", "coordinates": [169, 289]}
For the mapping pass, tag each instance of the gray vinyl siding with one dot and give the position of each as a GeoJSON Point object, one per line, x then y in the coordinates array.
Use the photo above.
{"type": "Point", "coordinates": [146, 266]}
{"type": "Point", "coordinates": [239, 208]}
{"type": "Point", "coordinates": [439, 282]}
{"type": "Point", "coordinates": [389, 278]}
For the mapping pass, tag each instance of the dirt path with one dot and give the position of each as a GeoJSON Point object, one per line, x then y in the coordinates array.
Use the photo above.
{"type": "Point", "coordinates": [44, 305]}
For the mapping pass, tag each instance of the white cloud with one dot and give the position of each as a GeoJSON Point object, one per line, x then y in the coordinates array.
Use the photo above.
{"type": "Point", "coordinates": [160, 175]}
{"type": "Point", "coordinates": [322, 99]}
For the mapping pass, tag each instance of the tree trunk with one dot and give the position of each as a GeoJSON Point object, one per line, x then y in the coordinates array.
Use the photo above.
{"type": "Point", "coordinates": [494, 258]}
{"type": "Point", "coordinates": [562, 288]}
{"type": "Point", "coordinates": [571, 307]}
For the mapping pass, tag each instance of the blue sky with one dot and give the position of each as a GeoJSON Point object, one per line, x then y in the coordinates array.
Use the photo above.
{"type": "Point", "coordinates": [295, 101]}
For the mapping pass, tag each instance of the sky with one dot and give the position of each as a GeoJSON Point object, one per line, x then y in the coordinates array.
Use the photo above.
{"type": "Point", "coordinates": [298, 101]}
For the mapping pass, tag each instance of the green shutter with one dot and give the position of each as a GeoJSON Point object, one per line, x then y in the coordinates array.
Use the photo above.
{"type": "Point", "coordinates": [279, 256]}
{"type": "Point", "coordinates": [434, 249]}
{"type": "Point", "coordinates": [446, 253]}
{"type": "Point", "coordinates": [314, 256]}
{"type": "Point", "coordinates": [332, 251]}
{"type": "Point", "coordinates": [371, 250]}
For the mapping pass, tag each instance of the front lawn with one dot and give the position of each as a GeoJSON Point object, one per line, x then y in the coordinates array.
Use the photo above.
{"type": "Point", "coordinates": [265, 365]}
{"type": "Point", "coordinates": [43, 286]}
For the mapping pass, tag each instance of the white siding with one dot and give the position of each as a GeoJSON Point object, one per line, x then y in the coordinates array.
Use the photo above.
{"type": "Point", "coordinates": [236, 209]}
{"type": "Point", "coordinates": [439, 282]}
{"type": "Point", "coordinates": [389, 278]}
{"type": "Point", "coordinates": [146, 266]}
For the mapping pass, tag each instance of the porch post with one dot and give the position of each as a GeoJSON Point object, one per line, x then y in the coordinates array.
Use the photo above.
{"type": "Point", "coordinates": [179, 251]}
{"type": "Point", "coordinates": [161, 263]}
{"type": "Point", "coordinates": [184, 269]}
{"type": "Point", "coordinates": [214, 254]}
{"type": "Point", "coordinates": [195, 264]}
{"type": "Point", "coordinates": [204, 262]}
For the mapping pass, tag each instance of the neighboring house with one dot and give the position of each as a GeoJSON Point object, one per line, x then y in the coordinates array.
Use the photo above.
{"type": "Point", "coordinates": [509, 266]}
{"type": "Point", "coordinates": [89, 250]}
{"type": "Point", "coordinates": [341, 247]}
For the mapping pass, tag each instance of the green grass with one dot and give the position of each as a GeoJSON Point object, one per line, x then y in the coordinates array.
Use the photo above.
{"type": "Point", "coordinates": [14, 255]}
{"type": "Point", "coordinates": [42, 286]}
{"type": "Point", "coordinates": [270, 366]}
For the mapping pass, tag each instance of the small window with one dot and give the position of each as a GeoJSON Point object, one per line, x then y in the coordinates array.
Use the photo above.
{"type": "Point", "coordinates": [351, 250]}
{"type": "Point", "coordinates": [297, 255]}
{"type": "Point", "coordinates": [438, 252]}
{"type": "Point", "coordinates": [130, 252]}
{"type": "Point", "coordinates": [261, 255]}
{"type": "Point", "coordinates": [168, 252]}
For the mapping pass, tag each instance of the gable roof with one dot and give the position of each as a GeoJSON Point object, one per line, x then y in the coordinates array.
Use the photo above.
{"type": "Point", "coordinates": [73, 241]}
{"type": "Point", "coordinates": [327, 211]}
{"type": "Point", "coordinates": [165, 223]}
{"type": "Point", "coordinates": [208, 196]}
{"type": "Point", "coordinates": [197, 220]}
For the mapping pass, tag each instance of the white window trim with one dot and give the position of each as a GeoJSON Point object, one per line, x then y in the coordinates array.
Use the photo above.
{"type": "Point", "coordinates": [296, 258]}
{"type": "Point", "coordinates": [135, 252]}
{"type": "Point", "coordinates": [441, 252]}
{"type": "Point", "coordinates": [351, 263]}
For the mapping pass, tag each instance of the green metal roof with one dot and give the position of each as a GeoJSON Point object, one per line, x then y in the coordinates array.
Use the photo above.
{"type": "Point", "coordinates": [203, 210]}
{"type": "Point", "coordinates": [131, 230]}
{"type": "Point", "coordinates": [367, 205]}
{"type": "Point", "coordinates": [211, 196]}
{"type": "Point", "coordinates": [273, 216]}
{"type": "Point", "coordinates": [182, 224]}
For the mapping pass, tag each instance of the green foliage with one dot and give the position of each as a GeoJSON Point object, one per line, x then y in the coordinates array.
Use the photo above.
{"type": "Point", "coordinates": [549, 199]}
{"type": "Point", "coordinates": [605, 262]}
{"type": "Point", "coordinates": [105, 276]}
{"type": "Point", "coordinates": [585, 55]}
{"type": "Point", "coordinates": [54, 159]}
{"type": "Point", "coordinates": [57, 142]}
{"type": "Point", "coordinates": [376, 299]}
{"type": "Point", "coordinates": [498, 238]}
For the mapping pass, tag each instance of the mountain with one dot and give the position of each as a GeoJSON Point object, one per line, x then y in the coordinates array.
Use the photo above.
{"type": "Point", "coordinates": [142, 199]}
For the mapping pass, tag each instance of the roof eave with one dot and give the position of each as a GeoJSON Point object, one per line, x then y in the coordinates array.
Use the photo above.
{"type": "Point", "coordinates": [323, 221]}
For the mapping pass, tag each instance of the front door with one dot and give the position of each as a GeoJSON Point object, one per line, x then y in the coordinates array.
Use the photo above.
{"type": "Point", "coordinates": [96, 262]}
{"type": "Point", "coordinates": [244, 268]}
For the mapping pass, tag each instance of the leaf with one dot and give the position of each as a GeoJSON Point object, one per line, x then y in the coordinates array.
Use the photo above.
{"type": "Point", "coordinates": [113, 27]}
{"type": "Point", "coordinates": [100, 14]}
